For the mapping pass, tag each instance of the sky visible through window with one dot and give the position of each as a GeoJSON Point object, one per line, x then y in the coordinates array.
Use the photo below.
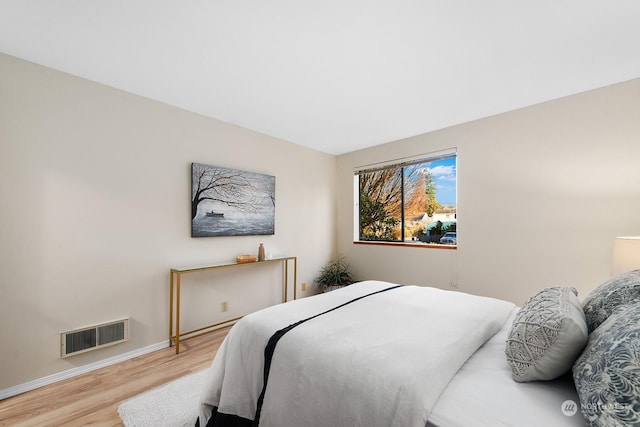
{"type": "Point", "coordinates": [444, 173]}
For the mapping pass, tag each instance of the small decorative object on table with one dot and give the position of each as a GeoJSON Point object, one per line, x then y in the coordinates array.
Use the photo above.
{"type": "Point", "coordinates": [241, 259]}
{"type": "Point", "coordinates": [261, 252]}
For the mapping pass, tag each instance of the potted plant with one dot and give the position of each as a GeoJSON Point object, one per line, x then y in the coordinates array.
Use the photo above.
{"type": "Point", "coordinates": [335, 274]}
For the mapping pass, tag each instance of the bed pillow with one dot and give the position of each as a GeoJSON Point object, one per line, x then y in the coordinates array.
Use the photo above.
{"type": "Point", "coordinates": [607, 374]}
{"type": "Point", "coordinates": [547, 335]}
{"type": "Point", "coordinates": [611, 295]}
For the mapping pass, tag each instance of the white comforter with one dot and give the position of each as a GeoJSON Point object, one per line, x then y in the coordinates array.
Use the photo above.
{"type": "Point", "coordinates": [381, 361]}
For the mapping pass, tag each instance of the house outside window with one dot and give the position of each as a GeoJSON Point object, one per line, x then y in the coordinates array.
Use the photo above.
{"type": "Point", "coordinates": [412, 201]}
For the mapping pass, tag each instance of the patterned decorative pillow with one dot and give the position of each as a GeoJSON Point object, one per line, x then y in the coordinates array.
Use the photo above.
{"type": "Point", "coordinates": [611, 295]}
{"type": "Point", "coordinates": [547, 335]}
{"type": "Point", "coordinates": [607, 374]}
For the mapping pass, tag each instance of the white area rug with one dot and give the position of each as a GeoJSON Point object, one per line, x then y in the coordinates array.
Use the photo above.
{"type": "Point", "coordinates": [174, 404]}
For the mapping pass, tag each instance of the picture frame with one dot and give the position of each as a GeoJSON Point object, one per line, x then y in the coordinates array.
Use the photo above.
{"type": "Point", "coordinates": [231, 202]}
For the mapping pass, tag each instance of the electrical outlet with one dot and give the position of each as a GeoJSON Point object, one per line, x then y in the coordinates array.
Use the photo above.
{"type": "Point", "coordinates": [223, 306]}
{"type": "Point", "coordinates": [303, 286]}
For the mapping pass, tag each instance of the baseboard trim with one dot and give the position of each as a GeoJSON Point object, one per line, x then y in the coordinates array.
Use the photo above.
{"type": "Point", "coordinates": [40, 382]}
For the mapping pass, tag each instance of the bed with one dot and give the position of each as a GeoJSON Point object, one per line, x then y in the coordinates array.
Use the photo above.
{"type": "Point", "coordinates": [381, 354]}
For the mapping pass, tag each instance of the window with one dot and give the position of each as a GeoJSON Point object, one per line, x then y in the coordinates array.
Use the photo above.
{"type": "Point", "coordinates": [410, 201]}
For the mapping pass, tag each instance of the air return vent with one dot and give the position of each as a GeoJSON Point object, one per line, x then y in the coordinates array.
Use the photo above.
{"type": "Point", "coordinates": [93, 337]}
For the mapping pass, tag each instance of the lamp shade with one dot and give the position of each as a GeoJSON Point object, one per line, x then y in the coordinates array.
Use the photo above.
{"type": "Point", "coordinates": [626, 255]}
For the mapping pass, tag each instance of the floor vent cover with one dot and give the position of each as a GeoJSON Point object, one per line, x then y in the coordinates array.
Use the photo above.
{"type": "Point", "coordinates": [93, 337]}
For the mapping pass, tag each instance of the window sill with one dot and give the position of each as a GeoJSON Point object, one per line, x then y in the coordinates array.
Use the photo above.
{"type": "Point", "coordinates": [410, 245]}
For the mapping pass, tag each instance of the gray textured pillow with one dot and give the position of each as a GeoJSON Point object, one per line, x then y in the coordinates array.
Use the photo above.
{"type": "Point", "coordinates": [607, 374]}
{"type": "Point", "coordinates": [611, 295]}
{"type": "Point", "coordinates": [547, 335]}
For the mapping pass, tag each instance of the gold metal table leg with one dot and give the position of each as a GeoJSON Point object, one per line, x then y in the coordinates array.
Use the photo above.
{"type": "Point", "coordinates": [295, 278]}
{"type": "Point", "coordinates": [171, 309]}
{"type": "Point", "coordinates": [177, 313]}
{"type": "Point", "coordinates": [286, 281]}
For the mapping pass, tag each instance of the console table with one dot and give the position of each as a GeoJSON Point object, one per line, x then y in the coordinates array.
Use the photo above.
{"type": "Point", "coordinates": [174, 296]}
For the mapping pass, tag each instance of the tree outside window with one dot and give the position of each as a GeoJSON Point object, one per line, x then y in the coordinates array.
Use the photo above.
{"type": "Point", "coordinates": [412, 202]}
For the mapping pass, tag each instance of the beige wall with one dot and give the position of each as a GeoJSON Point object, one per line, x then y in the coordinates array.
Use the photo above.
{"type": "Point", "coordinates": [95, 193]}
{"type": "Point", "coordinates": [542, 192]}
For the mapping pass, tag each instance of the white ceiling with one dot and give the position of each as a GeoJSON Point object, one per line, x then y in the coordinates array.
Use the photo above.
{"type": "Point", "coordinates": [334, 75]}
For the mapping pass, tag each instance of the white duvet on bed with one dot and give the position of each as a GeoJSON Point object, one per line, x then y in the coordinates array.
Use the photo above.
{"type": "Point", "coordinates": [381, 361]}
{"type": "Point", "coordinates": [483, 394]}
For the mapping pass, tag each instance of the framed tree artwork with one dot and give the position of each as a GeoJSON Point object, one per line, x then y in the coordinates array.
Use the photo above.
{"type": "Point", "coordinates": [231, 202]}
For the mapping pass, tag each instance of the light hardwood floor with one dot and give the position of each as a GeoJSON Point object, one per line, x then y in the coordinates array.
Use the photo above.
{"type": "Point", "coordinates": [93, 398]}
